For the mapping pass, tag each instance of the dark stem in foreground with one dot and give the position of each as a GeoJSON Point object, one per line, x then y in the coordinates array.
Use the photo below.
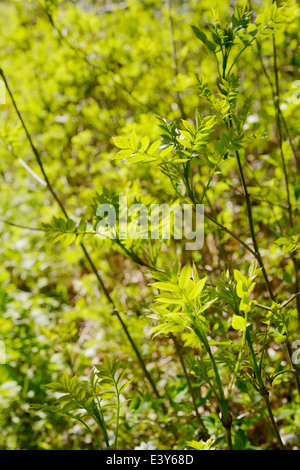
{"type": "Point", "coordinates": [86, 254]}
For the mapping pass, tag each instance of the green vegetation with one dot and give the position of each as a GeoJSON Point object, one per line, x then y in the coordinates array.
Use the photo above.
{"type": "Point", "coordinates": [123, 342]}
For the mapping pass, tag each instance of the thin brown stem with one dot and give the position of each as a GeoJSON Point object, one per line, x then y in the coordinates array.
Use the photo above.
{"type": "Point", "coordinates": [203, 434]}
{"type": "Point", "coordinates": [251, 226]}
{"type": "Point", "coordinates": [271, 416]}
{"type": "Point", "coordinates": [283, 163]}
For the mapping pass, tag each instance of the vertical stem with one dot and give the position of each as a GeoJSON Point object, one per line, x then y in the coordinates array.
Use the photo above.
{"type": "Point", "coordinates": [226, 417]}
{"type": "Point", "coordinates": [251, 225]}
{"type": "Point", "coordinates": [118, 416]}
{"type": "Point", "coordinates": [228, 438]}
{"type": "Point", "coordinates": [283, 163]}
{"type": "Point", "coordinates": [92, 433]}
{"type": "Point", "coordinates": [274, 99]}
{"type": "Point", "coordinates": [263, 391]}
{"type": "Point", "coordinates": [239, 359]}
{"type": "Point", "coordinates": [280, 118]}
{"type": "Point", "coordinates": [279, 115]}
{"type": "Point", "coordinates": [34, 149]}
{"type": "Point", "coordinates": [279, 130]}
{"type": "Point", "coordinates": [295, 366]}
{"type": "Point", "coordinates": [271, 416]}
{"type": "Point", "coordinates": [203, 432]}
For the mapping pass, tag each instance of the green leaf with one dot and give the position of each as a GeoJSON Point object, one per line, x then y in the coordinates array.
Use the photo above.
{"type": "Point", "coordinates": [197, 289]}
{"type": "Point", "coordinates": [133, 141]}
{"type": "Point", "coordinates": [124, 386]}
{"type": "Point", "coordinates": [238, 276]}
{"type": "Point", "coordinates": [211, 46]}
{"type": "Point", "coordinates": [82, 225]}
{"type": "Point", "coordinates": [124, 153]}
{"type": "Point", "coordinates": [241, 290]}
{"type": "Point", "coordinates": [144, 144]}
{"type": "Point", "coordinates": [185, 276]}
{"type": "Point", "coordinates": [252, 29]}
{"type": "Point", "coordinates": [189, 126]}
{"type": "Point", "coordinates": [71, 225]}
{"type": "Point", "coordinates": [121, 142]}
{"type": "Point", "coordinates": [168, 286]}
{"type": "Point", "coordinates": [166, 151]}
{"type": "Point", "coordinates": [280, 339]}
{"type": "Point", "coordinates": [153, 147]}
{"type": "Point", "coordinates": [238, 323]}
{"type": "Point", "coordinates": [69, 238]}
{"type": "Point", "coordinates": [199, 34]}
{"type": "Point", "coordinates": [175, 270]}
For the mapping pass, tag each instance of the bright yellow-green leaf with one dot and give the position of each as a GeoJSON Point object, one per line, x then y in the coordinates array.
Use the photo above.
{"type": "Point", "coordinates": [197, 289]}
{"type": "Point", "coordinates": [133, 141]}
{"type": "Point", "coordinates": [185, 276]}
{"type": "Point", "coordinates": [238, 323]}
{"type": "Point", "coordinates": [121, 142]}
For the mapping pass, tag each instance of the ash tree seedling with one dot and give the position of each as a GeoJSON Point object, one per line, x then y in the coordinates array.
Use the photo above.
{"type": "Point", "coordinates": [91, 399]}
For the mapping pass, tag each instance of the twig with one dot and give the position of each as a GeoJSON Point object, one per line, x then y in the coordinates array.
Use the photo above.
{"type": "Point", "coordinates": [13, 224]}
{"type": "Point", "coordinates": [87, 256]}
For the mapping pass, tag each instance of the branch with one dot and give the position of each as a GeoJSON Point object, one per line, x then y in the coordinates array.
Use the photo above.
{"type": "Point", "coordinates": [87, 256]}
